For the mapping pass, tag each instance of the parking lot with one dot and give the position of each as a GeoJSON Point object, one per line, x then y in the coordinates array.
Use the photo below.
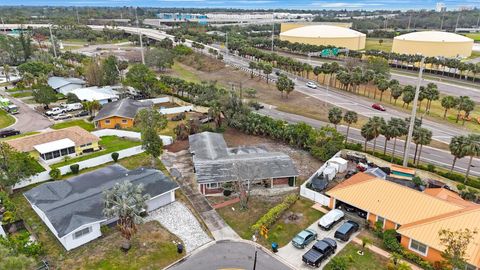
{"type": "Point", "coordinates": [294, 255]}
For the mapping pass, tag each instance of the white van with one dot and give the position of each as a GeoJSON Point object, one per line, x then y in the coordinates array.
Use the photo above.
{"type": "Point", "coordinates": [331, 218]}
{"type": "Point", "coordinates": [73, 107]}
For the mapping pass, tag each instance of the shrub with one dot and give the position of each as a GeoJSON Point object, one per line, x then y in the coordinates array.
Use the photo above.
{"type": "Point", "coordinates": [55, 174]}
{"type": "Point", "coordinates": [274, 213]}
{"type": "Point", "coordinates": [391, 243]}
{"type": "Point", "coordinates": [227, 192]}
{"type": "Point", "coordinates": [417, 181]}
{"type": "Point", "coordinates": [115, 156]}
{"type": "Point", "coordinates": [430, 167]}
{"type": "Point", "coordinates": [75, 168]}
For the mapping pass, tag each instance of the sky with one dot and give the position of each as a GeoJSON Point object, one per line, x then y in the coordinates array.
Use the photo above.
{"type": "Point", "coordinates": [266, 4]}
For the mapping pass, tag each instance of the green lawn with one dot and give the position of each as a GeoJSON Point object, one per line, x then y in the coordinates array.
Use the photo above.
{"type": "Point", "coordinates": [474, 36]}
{"type": "Point", "coordinates": [22, 94]}
{"type": "Point", "coordinates": [374, 44]}
{"type": "Point", "coordinates": [109, 144]}
{"type": "Point", "coordinates": [185, 74]}
{"type": "Point", "coordinates": [6, 119]}
{"type": "Point", "coordinates": [369, 260]}
{"type": "Point", "coordinates": [81, 123]}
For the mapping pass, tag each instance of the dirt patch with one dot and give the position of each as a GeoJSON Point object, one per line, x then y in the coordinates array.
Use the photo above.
{"type": "Point", "coordinates": [293, 218]}
{"type": "Point", "coordinates": [306, 164]}
{"type": "Point", "coordinates": [177, 146]}
{"type": "Point", "coordinates": [202, 62]}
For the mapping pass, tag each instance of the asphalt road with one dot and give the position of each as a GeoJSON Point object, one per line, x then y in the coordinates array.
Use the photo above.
{"type": "Point", "coordinates": [430, 155]}
{"type": "Point", "coordinates": [27, 118]}
{"type": "Point", "coordinates": [229, 255]}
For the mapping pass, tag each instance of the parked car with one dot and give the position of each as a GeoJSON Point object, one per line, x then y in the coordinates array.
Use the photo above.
{"type": "Point", "coordinates": [318, 253]}
{"type": "Point", "coordinates": [8, 132]}
{"type": "Point", "coordinates": [331, 242]}
{"type": "Point", "coordinates": [379, 107]}
{"type": "Point", "coordinates": [346, 230]}
{"type": "Point", "coordinates": [73, 107]}
{"type": "Point", "coordinates": [62, 116]}
{"type": "Point", "coordinates": [361, 213]}
{"type": "Point", "coordinates": [12, 109]}
{"type": "Point", "coordinates": [303, 238]}
{"type": "Point", "coordinates": [311, 85]}
{"type": "Point", "coordinates": [55, 111]}
{"type": "Point", "coordinates": [330, 219]}
{"type": "Point", "coordinates": [257, 106]}
{"type": "Point", "coordinates": [81, 114]}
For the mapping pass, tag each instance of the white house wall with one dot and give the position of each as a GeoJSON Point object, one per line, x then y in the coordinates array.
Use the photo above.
{"type": "Point", "coordinates": [160, 200]}
{"type": "Point", "coordinates": [70, 243]}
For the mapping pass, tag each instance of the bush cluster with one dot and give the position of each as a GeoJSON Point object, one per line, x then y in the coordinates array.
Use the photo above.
{"type": "Point", "coordinates": [391, 243]}
{"type": "Point", "coordinates": [273, 214]}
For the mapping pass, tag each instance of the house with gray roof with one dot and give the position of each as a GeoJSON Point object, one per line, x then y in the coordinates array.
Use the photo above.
{"type": "Point", "coordinates": [215, 164]}
{"type": "Point", "coordinates": [65, 85]}
{"type": "Point", "coordinates": [73, 209]}
{"type": "Point", "coordinates": [119, 114]}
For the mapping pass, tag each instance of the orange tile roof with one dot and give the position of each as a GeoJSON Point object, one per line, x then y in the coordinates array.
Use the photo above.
{"type": "Point", "coordinates": [77, 134]}
{"type": "Point", "coordinates": [354, 179]}
{"type": "Point", "coordinates": [399, 168]}
{"type": "Point", "coordinates": [448, 195]}
{"type": "Point", "coordinates": [426, 230]}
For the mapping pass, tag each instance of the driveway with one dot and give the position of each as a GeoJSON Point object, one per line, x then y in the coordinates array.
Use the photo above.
{"type": "Point", "coordinates": [176, 218]}
{"type": "Point", "coordinates": [229, 255]}
{"type": "Point", "coordinates": [294, 255]}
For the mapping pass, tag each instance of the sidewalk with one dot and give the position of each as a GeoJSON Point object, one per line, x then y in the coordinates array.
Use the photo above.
{"type": "Point", "coordinates": [383, 253]}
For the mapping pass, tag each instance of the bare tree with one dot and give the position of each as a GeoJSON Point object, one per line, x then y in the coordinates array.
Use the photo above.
{"type": "Point", "coordinates": [456, 243]}
{"type": "Point", "coordinates": [245, 177]}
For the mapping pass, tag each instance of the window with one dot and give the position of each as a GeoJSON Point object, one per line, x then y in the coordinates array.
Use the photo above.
{"type": "Point", "coordinates": [124, 121]}
{"type": "Point", "coordinates": [48, 156]}
{"type": "Point", "coordinates": [107, 121]}
{"type": "Point", "coordinates": [82, 232]}
{"type": "Point", "coordinates": [418, 247]}
{"type": "Point", "coordinates": [213, 185]}
{"type": "Point", "coordinates": [71, 150]}
{"type": "Point", "coordinates": [64, 152]}
{"type": "Point", "coordinates": [56, 154]}
{"type": "Point", "coordinates": [85, 145]}
{"type": "Point", "coordinates": [381, 220]}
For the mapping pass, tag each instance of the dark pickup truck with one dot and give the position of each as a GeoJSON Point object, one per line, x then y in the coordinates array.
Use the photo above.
{"type": "Point", "coordinates": [8, 132]}
{"type": "Point", "coordinates": [320, 252]}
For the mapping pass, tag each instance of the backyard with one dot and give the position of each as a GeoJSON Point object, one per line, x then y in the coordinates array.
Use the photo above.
{"type": "Point", "coordinates": [88, 126]}
{"type": "Point", "coordinates": [355, 261]}
{"type": "Point", "coordinates": [6, 119]}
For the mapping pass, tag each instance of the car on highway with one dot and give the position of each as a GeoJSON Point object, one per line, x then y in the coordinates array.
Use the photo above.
{"type": "Point", "coordinates": [346, 230]}
{"type": "Point", "coordinates": [311, 85]}
{"type": "Point", "coordinates": [330, 219]}
{"type": "Point", "coordinates": [62, 116]}
{"type": "Point", "coordinates": [55, 111]}
{"type": "Point", "coordinates": [379, 107]}
{"type": "Point", "coordinates": [303, 238]}
{"type": "Point", "coordinates": [319, 252]}
{"type": "Point", "coordinates": [8, 132]}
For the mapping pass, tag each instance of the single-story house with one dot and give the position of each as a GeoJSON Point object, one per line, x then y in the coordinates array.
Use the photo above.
{"type": "Point", "coordinates": [65, 85]}
{"type": "Point", "coordinates": [53, 146]}
{"type": "Point", "coordinates": [73, 209]}
{"type": "Point", "coordinates": [103, 95]}
{"type": "Point", "coordinates": [417, 216]}
{"type": "Point", "coordinates": [119, 114]}
{"type": "Point", "coordinates": [216, 165]}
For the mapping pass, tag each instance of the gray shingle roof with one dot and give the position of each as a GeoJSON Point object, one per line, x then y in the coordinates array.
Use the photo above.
{"type": "Point", "coordinates": [57, 82]}
{"type": "Point", "coordinates": [214, 162]}
{"type": "Point", "coordinates": [77, 201]}
{"type": "Point", "coordinates": [126, 108]}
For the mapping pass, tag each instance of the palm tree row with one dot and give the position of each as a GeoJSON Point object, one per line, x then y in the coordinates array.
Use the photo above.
{"type": "Point", "coordinates": [462, 146]}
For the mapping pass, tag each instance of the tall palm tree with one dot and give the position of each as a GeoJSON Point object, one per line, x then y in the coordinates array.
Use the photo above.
{"type": "Point", "coordinates": [350, 117]}
{"type": "Point", "coordinates": [6, 72]}
{"type": "Point", "coordinates": [472, 149]}
{"type": "Point", "coordinates": [368, 77]}
{"type": "Point", "coordinates": [382, 87]}
{"type": "Point", "coordinates": [372, 129]}
{"type": "Point", "coordinates": [395, 92]}
{"type": "Point", "coordinates": [457, 148]}
{"type": "Point", "coordinates": [335, 116]}
{"type": "Point", "coordinates": [397, 128]}
{"type": "Point", "coordinates": [126, 202]}
{"type": "Point", "coordinates": [422, 136]}
{"type": "Point", "coordinates": [448, 102]}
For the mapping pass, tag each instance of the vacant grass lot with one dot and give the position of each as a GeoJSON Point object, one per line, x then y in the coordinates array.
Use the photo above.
{"type": "Point", "coordinates": [109, 144]}
{"type": "Point", "coordinates": [22, 94]}
{"type": "Point", "coordinates": [474, 36]}
{"type": "Point", "coordinates": [369, 260]}
{"type": "Point", "coordinates": [6, 119]}
{"type": "Point", "coordinates": [88, 126]}
{"type": "Point", "coordinates": [381, 44]}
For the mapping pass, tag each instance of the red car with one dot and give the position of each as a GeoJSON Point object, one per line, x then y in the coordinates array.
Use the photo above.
{"type": "Point", "coordinates": [379, 107]}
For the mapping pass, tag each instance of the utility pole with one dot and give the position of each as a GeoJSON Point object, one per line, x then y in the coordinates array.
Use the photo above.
{"type": "Point", "coordinates": [458, 18]}
{"type": "Point", "coordinates": [140, 36]}
{"type": "Point", "coordinates": [413, 116]}
{"type": "Point", "coordinates": [478, 20]}
{"type": "Point", "coordinates": [53, 42]}
{"type": "Point", "coordinates": [78, 19]}
{"type": "Point", "coordinates": [273, 27]}
{"type": "Point", "coordinates": [409, 21]}
{"type": "Point", "coordinates": [5, 27]}
{"type": "Point", "coordinates": [226, 42]}
{"type": "Point", "coordinates": [441, 21]}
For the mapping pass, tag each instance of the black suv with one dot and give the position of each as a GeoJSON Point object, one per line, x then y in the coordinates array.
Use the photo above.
{"type": "Point", "coordinates": [8, 132]}
{"type": "Point", "coordinates": [346, 230]}
{"type": "Point", "coordinates": [320, 252]}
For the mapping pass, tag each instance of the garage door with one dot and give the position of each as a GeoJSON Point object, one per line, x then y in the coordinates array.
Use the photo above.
{"type": "Point", "coordinates": [159, 201]}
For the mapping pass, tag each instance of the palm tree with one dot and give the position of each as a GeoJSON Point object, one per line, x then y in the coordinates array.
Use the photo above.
{"type": "Point", "coordinates": [397, 127]}
{"type": "Point", "coordinates": [372, 129]}
{"type": "Point", "coordinates": [335, 116]}
{"type": "Point", "coordinates": [382, 87]}
{"type": "Point", "coordinates": [472, 149]}
{"type": "Point", "coordinates": [317, 70]}
{"type": "Point", "coordinates": [252, 65]}
{"type": "Point", "coordinates": [432, 94]}
{"type": "Point", "coordinates": [368, 77]}
{"type": "Point", "coordinates": [387, 133]}
{"type": "Point", "coordinates": [215, 112]}
{"type": "Point", "coordinates": [421, 136]}
{"type": "Point", "coordinates": [350, 117]}
{"type": "Point", "coordinates": [6, 72]}
{"type": "Point", "coordinates": [448, 102]}
{"type": "Point", "coordinates": [457, 148]}
{"type": "Point", "coordinates": [126, 202]}
{"type": "Point", "coordinates": [395, 92]}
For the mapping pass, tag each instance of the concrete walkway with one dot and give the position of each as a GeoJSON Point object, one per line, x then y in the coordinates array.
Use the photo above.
{"type": "Point", "coordinates": [180, 167]}
{"type": "Point", "coordinates": [383, 253]}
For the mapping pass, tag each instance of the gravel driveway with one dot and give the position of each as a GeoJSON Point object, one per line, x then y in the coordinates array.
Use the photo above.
{"type": "Point", "coordinates": [178, 219]}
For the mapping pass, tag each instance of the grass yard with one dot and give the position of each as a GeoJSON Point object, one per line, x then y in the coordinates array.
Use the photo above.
{"type": "Point", "coordinates": [369, 260]}
{"type": "Point", "coordinates": [22, 94]}
{"type": "Point", "coordinates": [109, 144]}
{"type": "Point", "coordinates": [374, 44]}
{"type": "Point", "coordinates": [6, 119]}
{"type": "Point", "coordinates": [81, 123]}
{"type": "Point", "coordinates": [182, 72]}
{"type": "Point", "coordinates": [474, 36]}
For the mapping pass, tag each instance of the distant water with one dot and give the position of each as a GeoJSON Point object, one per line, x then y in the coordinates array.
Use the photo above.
{"type": "Point", "coordinates": [267, 4]}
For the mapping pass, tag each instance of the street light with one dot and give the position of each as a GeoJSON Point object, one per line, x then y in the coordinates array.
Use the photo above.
{"type": "Point", "coordinates": [413, 116]}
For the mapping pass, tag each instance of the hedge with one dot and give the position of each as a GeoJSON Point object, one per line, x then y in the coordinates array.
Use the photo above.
{"type": "Point", "coordinates": [391, 243]}
{"type": "Point", "coordinates": [274, 213]}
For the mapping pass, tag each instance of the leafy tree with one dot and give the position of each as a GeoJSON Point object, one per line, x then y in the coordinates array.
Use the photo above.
{"type": "Point", "coordinates": [111, 74]}
{"type": "Point", "coordinates": [350, 117]}
{"type": "Point", "coordinates": [150, 123]}
{"type": "Point", "coordinates": [35, 68]}
{"type": "Point", "coordinates": [456, 244]}
{"type": "Point", "coordinates": [448, 102]}
{"type": "Point", "coordinates": [252, 65]}
{"type": "Point", "coordinates": [91, 106]}
{"type": "Point", "coordinates": [94, 72]}
{"type": "Point", "coordinates": [335, 116]}
{"type": "Point", "coordinates": [421, 136]}
{"type": "Point", "coordinates": [126, 202]}
{"type": "Point", "coordinates": [251, 92]}
{"type": "Point", "coordinates": [14, 260]}
{"type": "Point", "coordinates": [6, 71]}
{"type": "Point", "coordinates": [267, 70]}
{"type": "Point", "coordinates": [379, 65]}
{"type": "Point", "coordinates": [14, 166]}
{"type": "Point", "coordinates": [458, 148]}
{"type": "Point", "coordinates": [159, 58]}
{"type": "Point", "coordinates": [284, 84]}
{"type": "Point", "coordinates": [472, 149]}
{"type": "Point", "coordinates": [408, 95]}
{"type": "Point", "coordinates": [44, 95]}
{"type": "Point", "coordinates": [143, 79]}
{"type": "Point", "coordinates": [72, 98]}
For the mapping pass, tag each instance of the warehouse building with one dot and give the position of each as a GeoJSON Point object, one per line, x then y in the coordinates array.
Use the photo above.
{"type": "Point", "coordinates": [433, 44]}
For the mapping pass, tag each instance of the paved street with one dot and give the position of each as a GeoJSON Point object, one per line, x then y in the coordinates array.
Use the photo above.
{"type": "Point", "coordinates": [230, 255]}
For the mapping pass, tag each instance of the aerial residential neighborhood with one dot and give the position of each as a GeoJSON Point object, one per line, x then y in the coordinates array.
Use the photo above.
{"type": "Point", "coordinates": [264, 135]}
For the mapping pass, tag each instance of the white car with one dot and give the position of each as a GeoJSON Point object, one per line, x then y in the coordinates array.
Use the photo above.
{"type": "Point", "coordinates": [73, 107]}
{"type": "Point", "coordinates": [55, 111]}
{"type": "Point", "coordinates": [311, 85]}
{"type": "Point", "coordinates": [330, 219]}
{"type": "Point", "coordinates": [62, 116]}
